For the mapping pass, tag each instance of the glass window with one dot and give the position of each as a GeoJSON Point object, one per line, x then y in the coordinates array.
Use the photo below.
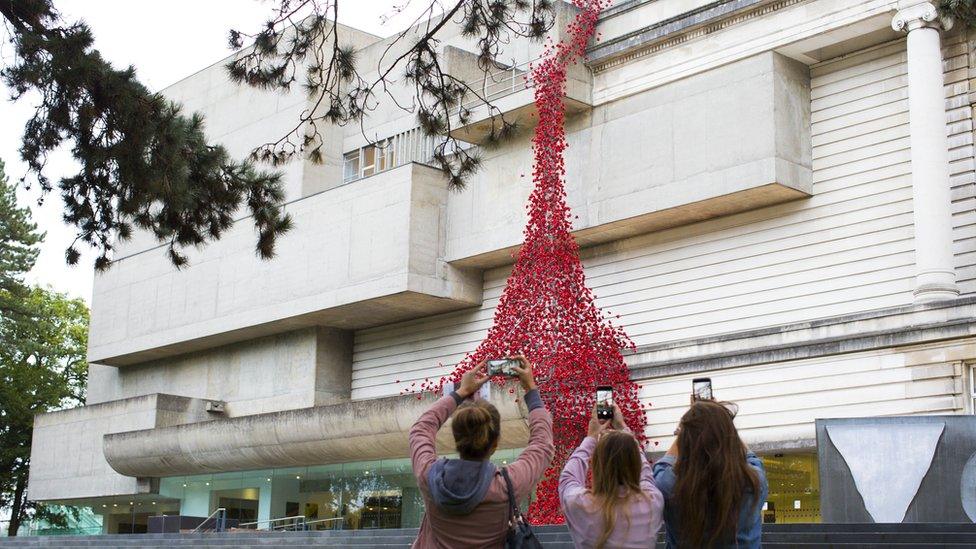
{"type": "Point", "coordinates": [350, 166]}
{"type": "Point", "coordinates": [345, 496]}
{"type": "Point", "coordinates": [369, 161]}
{"type": "Point", "coordinates": [387, 155]}
{"type": "Point", "coordinates": [794, 488]}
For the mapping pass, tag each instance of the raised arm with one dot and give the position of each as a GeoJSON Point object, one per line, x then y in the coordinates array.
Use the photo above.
{"type": "Point", "coordinates": [533, 461]}
{"type": "Point", "coordinates": [572, 480]}
{"type": "Point", "coordinates": [423, 449]}
{"type": "Point", "coordinates": [663, 470]}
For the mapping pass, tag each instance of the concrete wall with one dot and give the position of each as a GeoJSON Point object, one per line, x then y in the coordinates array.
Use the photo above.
{"type": "Point", "coordinates": [359, 255]}
{"type": "Point", "coordinates": [633, 163]}
{"type": "Point", "coordinates": [66, 450]}
{"type": "Point", "coordinates": [298, 369]}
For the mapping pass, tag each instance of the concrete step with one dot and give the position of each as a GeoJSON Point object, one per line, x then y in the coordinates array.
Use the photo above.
{"type": "Point", "coordinates": [870, 537]}
{"type": "Point", "coordinates": [777, 536]}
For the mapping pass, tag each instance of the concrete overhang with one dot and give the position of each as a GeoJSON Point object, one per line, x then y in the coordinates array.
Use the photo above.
{"type": "Point", "coordinates": [352, 431]}
{"type": "Point", "coordinates": [66, 449]}
{"type": "Point", "coordinates": [509, 88]}
{"type": "Point", "coordinates": [364, 254]}
{"type": "Point", "coordinates": [519, 108]}
{"type": "Point", "coordinates": [656, 220]}
{"type": "Point", "coordinates": [716, 144]}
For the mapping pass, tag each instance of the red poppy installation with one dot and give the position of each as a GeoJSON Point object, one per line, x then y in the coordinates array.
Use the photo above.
{"type": "Point", "coordinates": [546, 311]}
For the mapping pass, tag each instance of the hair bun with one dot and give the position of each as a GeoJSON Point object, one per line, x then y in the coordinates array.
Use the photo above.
{"type": "Point", "coordinates": [476, 427]}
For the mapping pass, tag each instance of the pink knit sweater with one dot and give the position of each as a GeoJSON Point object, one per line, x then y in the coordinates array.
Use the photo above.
{"type": "Point", "coordinates": [487, 525]}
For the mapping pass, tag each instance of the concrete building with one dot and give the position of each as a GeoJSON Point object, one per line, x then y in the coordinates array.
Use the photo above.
{"type": "Point", "coordinates": [777, 194]}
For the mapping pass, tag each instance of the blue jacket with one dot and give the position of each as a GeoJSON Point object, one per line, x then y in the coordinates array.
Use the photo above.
{"type": "Point", "coordinates": [749, 534]}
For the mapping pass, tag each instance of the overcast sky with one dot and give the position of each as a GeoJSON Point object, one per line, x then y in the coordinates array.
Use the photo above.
{"type": "Point", "coordinates": [165, 41]}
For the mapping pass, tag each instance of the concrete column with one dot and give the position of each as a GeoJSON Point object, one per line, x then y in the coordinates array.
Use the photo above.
{"type": "Point", "coordinates": [935, 277]}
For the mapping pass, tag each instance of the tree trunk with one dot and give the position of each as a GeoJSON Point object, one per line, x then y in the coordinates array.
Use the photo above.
{"type": "Point", "coordinates": [17, 504]}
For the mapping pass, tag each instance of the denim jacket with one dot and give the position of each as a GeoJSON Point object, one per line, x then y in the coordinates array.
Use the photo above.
{"type": "Point", "coordinates": [749, 534]}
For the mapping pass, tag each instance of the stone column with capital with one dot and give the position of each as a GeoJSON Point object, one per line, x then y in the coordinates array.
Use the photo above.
{"type": "Point", "coordinates": [935, 277]}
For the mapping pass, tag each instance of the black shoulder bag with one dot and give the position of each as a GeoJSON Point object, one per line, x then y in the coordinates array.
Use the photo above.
{"type": "Point", "coordinates": [520, 535]}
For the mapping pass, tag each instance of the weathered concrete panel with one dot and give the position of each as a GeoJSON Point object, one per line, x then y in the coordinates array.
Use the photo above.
{"type": "Point", "coordinates": [360, 255]}
{"type": "Point", "coordinates": [297, 369]}
{"type": "Point", "coordinates": [734, 139]}
{"type": "Point", "coordinates": [352, 431]}
{"type": "Point", "coordinates": [66, 452]}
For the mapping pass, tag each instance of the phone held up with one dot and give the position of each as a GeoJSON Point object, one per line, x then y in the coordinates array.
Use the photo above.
{"type": "Point", "coordinates": [503, 367]}
{"type": "Point", "coordinates": [604, 402]}
{"type": "Point", "coordinates": [701, 388]}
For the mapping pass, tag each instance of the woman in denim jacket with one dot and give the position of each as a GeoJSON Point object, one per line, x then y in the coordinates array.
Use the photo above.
{"type": "Point", "coordinates": [713, 486]}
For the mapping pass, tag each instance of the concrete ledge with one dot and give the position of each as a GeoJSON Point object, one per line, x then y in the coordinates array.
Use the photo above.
{"type": "Point", "coordinates": [709, 13]}
{"type": "Point", "coordinates": [883, 328]}
{"type": "Point", "coordinates": [748, 199]}
{"type": "Point", "coordinates": [353, 431]}
{"type": "Point", "coordinates": [66, 452]}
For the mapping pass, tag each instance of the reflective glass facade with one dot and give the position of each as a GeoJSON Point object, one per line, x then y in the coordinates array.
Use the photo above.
{"type": "Point", "coordinates": [794, 488]}
{"type": "Point", "coordinates": [364, 494]}
{"type": "Point", "coordinates": [383, 494]}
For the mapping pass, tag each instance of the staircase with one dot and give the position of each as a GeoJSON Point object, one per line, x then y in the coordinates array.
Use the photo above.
{"type": "Point", "coordinates": [775, 536]}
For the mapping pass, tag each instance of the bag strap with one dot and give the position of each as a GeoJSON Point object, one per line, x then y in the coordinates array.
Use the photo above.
{"type": "Point", "coordinates": [513, 506]}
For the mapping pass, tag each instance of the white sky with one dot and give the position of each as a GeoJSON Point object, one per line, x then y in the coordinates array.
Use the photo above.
{"type": "Point", "coordinates": [165, 41]}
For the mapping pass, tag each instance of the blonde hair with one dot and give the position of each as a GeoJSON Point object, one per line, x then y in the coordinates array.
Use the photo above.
{"type": "Point", "coordinates": [615, 463]}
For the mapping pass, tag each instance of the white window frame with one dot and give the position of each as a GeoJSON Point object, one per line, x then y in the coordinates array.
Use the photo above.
{"type": "Point", "coordinates": [348, 159]}
{"type": "Point", "coordinates": [384, 158]}
{"type": "Point", "coordinates": [971, 367]}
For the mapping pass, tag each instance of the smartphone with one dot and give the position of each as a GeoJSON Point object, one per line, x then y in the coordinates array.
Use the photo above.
{"type": "Point", "coordinates": [503, 367]}
{"type": "Point", "coordinates": [604, 402]}
{"type": "Point", "coordinates": [701, 388]}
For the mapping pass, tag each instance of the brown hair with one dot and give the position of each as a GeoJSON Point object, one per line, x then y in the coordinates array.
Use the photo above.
{"type": "Point", "coordinates": [615, 463]}
{"type": "Point", "coordinates": [712, 475]}
{"type": "Point", "coordinates": [476, 427]}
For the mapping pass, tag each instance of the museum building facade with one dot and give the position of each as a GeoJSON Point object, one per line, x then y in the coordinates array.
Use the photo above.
{"type": "Point", "coordinates": [775, 194]}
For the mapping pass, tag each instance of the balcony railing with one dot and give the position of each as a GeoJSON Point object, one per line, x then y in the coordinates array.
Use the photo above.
{"type": "Point", "coordinates": [509, 92]}
{"type": "Point", "coordinates": [504, 82]}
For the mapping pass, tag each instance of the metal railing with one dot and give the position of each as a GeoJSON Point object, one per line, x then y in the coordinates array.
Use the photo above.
{"type": "Point", "coordinates": [504, 82]}
{"type": "Point", "coordinates": [336, 521]}
{"type": "Point", "coordinates": [297, 522]}
{"type": "Point", "coordinates": [219, 518]}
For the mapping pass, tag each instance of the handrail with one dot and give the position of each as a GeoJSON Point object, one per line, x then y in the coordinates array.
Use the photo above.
{"type": "Point", "coordinates": [337, 519]}
{"type": "Point", "coordinates": [220, 522]}
{"type": "Point", "coordinates": [512, 79]}
{"type": "Point", "coordinates": [297, 519]}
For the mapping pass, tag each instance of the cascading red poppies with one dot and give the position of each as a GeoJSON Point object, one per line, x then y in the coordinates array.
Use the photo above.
{"type": "Point", "coordinates": [546, 311]}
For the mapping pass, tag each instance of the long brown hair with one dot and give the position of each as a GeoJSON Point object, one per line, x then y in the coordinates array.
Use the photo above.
{"type": "Point", "coordinates": [615, 463]}
{"type": "Point", "coordinates": [712, 475]}
{"type": "Point", "coordinates": [476, 427]}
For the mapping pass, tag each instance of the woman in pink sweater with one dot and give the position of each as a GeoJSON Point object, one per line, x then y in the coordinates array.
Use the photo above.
{"type": "Point", "coordinates": [623, 509]}
{"type": "Point", "coordinates": [466, 499]}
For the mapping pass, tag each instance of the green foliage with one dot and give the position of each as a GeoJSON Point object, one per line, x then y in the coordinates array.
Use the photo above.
{"type": "Point", "coordinates": [963, 11]}
{"type": "Point", "coordinates": [18, 238]}
{"type": "Point", "coordinates": [43, 340]}
{"type": "Point", "coordinates": [143, 163]}
{"type": "Point", "coordinates": [42, 368]}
